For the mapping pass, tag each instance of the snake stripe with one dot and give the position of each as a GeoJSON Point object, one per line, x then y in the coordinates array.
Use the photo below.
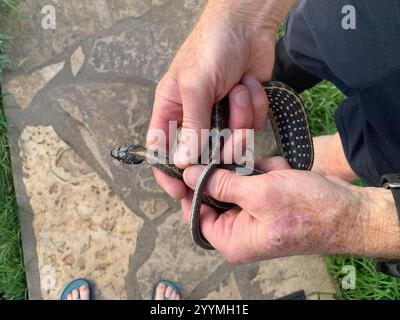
{"type": "Point", "coordinates": [292, 134]}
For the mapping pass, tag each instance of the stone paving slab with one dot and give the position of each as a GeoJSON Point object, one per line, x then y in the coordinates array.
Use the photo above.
{"type": "Point", "coordinates": [76, 92]}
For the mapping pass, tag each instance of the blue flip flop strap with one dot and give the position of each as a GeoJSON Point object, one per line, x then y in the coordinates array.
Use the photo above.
{"type": "Point", "coordinates": [168, 284]}
{"type": "Point", "coordinates": [76, 284]}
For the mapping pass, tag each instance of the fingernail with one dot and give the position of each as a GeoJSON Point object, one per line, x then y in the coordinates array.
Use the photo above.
{"type": "Point", "coordinates": [191, 175]}
{"type": "Point", "coordinates": [182, 155]}
{"type": "Point", "coordinates": [187, 151]}
{"type": "Point", "coordinates": [242, 99]}
{"type": "Point", "coordinates": [251, 82]}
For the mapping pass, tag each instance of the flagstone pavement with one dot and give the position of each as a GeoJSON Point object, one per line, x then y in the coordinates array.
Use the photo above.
{"type": "Point", "coordinates": [74, 93]}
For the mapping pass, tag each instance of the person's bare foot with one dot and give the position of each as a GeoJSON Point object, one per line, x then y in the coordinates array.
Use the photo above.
{"type": "Point", "coordinates": [165, 292]}
{"type": "Point", "coordinates": [82, 294]}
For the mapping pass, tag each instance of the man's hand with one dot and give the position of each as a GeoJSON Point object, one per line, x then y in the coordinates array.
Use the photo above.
{"type": "Point", "coordinates": [288, 212]}
{"type": "Point", "coordinates": [230, 50]}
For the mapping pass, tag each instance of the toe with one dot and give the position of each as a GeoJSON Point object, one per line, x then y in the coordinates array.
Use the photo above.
{"type": "Point", "coordinates": [84, 292]}
{"type": "Point", "coordinates": [175, 295]}
{"type": "Point", "coordinates": [168, 292]}
{"type": "Point", "coordinates": [160, 291]}
{"type": "Point", "coordinates": [69, 297]}
{"type": "Point", "coordinates": [75, 294]}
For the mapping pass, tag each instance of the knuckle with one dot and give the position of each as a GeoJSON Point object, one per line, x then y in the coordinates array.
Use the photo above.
{"type": "Point", "coordinates": [196, 81]}
{"type": "Point", "coordinates": [190, 124]}
{"type": "Point", "coordinates": [188, 80]}
{"type": "Point", "coordinates": [162, 84]}
{"type": "Point", "coordinates": [222, 184]}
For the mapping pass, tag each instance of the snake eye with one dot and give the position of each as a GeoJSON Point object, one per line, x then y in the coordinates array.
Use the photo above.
{"type": "Point", "coordinates": [115, 153]}
{"type": "Point", "coordinates": [119, 153]}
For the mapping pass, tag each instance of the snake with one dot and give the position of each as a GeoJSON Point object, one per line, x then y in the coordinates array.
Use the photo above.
{"type": "Point", "coordinates": [288, 117]}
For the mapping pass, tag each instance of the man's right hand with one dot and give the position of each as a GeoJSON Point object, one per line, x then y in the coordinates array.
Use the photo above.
{"type": "Point", "coordinates": [230, 50]}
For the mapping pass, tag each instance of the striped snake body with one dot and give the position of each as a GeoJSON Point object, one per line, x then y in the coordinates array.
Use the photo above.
{"type": "Point", "coordinates": [293, 138]}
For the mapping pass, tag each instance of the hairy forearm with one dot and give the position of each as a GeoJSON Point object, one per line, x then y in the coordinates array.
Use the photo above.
{"type": "Point", "coordinates": [370, 225]}
{"type": "Point", "coordinates": [371, 229]}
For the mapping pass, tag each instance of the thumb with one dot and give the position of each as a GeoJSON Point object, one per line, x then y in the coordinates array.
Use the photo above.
{"type": "Point", "coordinates": [222, 185]}
{"type": "Point", "coordinates": [197, 103]}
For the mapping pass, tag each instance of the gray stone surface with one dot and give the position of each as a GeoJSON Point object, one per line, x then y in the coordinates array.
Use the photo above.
{"type": "Point", "coordinates": [182, 261]}
{"type": "Point", "coordinates": [25, 87]}
{"type": "Point", "coordinates": [76, 92]}
{"type": "Point", "coordinates": [80, 225]}
{"type": "Point", "coordinates": [300, 273]}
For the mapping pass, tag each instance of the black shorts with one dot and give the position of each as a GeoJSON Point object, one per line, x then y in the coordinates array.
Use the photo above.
{"type": "Point", "coordinates": [364, 63]}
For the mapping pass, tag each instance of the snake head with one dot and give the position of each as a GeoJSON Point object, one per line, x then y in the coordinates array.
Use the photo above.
{"type": "Point", "coordinates": [135, 154]}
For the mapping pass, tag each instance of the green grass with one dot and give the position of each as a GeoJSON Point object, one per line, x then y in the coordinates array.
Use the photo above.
{"type": "Point", "coordinates": [321, 102]}
{"type": "Point", "coordinates": [5, 61]}
{"type": "Point", "coordinates": [370, 284]}
{"type": "Point", "coordinates": [12, 274]}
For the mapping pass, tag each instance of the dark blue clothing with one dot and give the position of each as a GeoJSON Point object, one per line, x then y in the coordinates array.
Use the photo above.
{"type": "Point", "coordinates": [365, 65]}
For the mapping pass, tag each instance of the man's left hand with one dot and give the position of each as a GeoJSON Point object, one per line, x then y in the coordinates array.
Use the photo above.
{"type": "Point", "coordinates": [286, 212]}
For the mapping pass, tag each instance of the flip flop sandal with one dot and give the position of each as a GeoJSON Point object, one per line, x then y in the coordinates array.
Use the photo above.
{"type": "Point", "coordinates": [76, 284]}
{"type": "Point", "coordinates": [168, 284]}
